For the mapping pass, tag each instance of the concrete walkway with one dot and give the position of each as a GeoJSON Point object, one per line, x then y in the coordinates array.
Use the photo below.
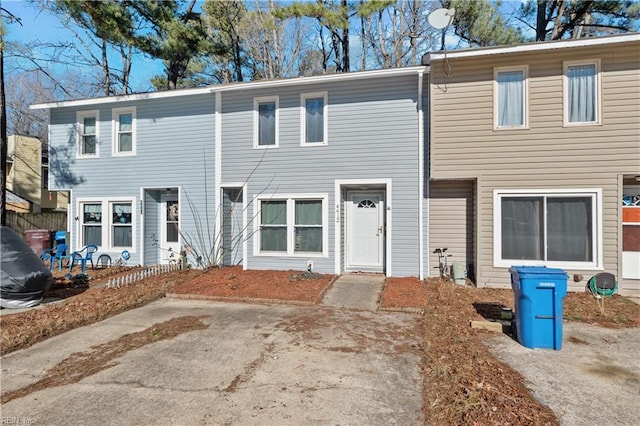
{"type": "Point", "coordinates": [355, 291]}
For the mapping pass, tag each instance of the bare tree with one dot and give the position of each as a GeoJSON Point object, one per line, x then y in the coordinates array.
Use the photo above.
{"type": "Point", "coordinates": [275, 45]}
{"type": "Point", "coordinates": [396, 35]}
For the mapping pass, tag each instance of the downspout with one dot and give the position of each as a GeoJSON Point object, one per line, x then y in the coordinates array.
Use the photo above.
{"type": "Point", "coordinates": [420, 177]}
{"type": "Point", "coordinates": [218, 176]}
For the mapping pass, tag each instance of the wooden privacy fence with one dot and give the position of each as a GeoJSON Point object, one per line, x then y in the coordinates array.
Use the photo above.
{"type": "Point", "coordinates": [20, 222]}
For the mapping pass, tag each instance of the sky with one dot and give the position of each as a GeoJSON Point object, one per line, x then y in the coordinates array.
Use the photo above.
{"type": "Point", "coordinates": [42, 26]}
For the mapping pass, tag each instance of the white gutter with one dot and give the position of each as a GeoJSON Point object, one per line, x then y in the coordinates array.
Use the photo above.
{"type": "Point", "coordinates": [532, 47]}
{"type": "Point", "coordinates": [420, 177]}
{"type": "Point", "coordinates": [261, 84]}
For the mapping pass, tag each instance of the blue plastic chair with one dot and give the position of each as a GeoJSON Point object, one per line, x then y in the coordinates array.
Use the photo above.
{"type": "Point", "coordinates": [56, 254]}
{"type": "Point", "coordinates": [83, 256]}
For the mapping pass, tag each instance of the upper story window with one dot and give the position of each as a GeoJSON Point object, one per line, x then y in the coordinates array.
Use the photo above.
{"type": "Point", "coordinates": [124, 131]}
{"type": "Point", "coordinates": [510, 98]}
{"type": "Point", "coordinates": [265, 122]}
{"type": "Point", "coordinates": [313, 118]}
{"type": "Point", "coordinates": [582, 92]}
{"type": "Point", "coordinates": [87, 125]}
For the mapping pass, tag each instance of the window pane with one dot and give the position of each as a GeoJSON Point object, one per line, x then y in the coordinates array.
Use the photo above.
{"type": "Point", "coordinates": [122, 213]}
{"type": "Point", "coordinates": [569, 229]}
{"type": "Point", "coordinates": [92, 213]}
{"type": "Point", "coordinates": [125, 121]}
{"type": "Point", "coordinates": [309, 212]}
{"type": "Point", "coordinates": [126, 144]}
{"type": "Point", "coordinates": [92, 235]}
{"type": "Point", "coordinates": [273, 238]}
{"type": "Point", "coordinates": [308, 239]}
{"type": "Point", "coordinates": [172, 232]}
{"type": "Point", "coordinates": [511, 98]}
{"type": "Point", "coordinates": [581, 94]}
{"type": "Point", "coordinates": [274, 213]}
{"type": "Point", "coordinates": [122, 236]}
{"type": "Point", "coordinates": [89, 126]}
{"type": "Point", "coordinates": [88, 144]}
{"type": "Point", "coordinates": [267, 123]}
{"type": "Point", "coordinates": [522, 228]}
{"type": "Point", "coordinates": [314, 124]}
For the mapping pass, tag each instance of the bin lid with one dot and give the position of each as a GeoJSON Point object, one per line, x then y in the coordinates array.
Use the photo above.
{"type": "Point", "coordinates": [534, 271]}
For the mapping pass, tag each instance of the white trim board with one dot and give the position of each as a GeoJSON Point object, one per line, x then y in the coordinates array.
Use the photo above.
{"type": "Point", "coordinates": [531, 47]}
{"type": "Point", "coordinates": [337, 223]}
{"type": "Point", "coordinates": [298, 81]}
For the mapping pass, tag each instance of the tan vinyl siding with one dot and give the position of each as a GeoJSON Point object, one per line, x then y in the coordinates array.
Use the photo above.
{"type": "Point", "coordinates": [547, 154]}
{"type": "Point", "coordinates": [451, 222]}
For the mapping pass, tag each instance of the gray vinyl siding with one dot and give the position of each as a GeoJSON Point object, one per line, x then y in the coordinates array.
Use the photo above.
{"type": "Point", "coordinates": [232, 229]}
{"type": "Point", "coordinates": [174, 148]}
{"type": "Point", "coordinates": [372, 134]}
{"type": "Point", "coordinates": [152, 200]}
{"type": "Point", "coordinates": [545, 155]}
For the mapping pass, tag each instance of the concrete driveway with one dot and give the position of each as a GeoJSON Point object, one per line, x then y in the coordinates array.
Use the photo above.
{"type": "Point", "coordinates": [254, 364]}
{"type": "Point", "coordinates": [593, 380]}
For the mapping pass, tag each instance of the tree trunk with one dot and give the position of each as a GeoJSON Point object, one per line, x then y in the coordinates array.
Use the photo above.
{"type": "Point", "coordinates": [346, 66]}
{"type": "Point", "coordinates": [541, 21]}
{"type": "Point", "coordinates": [105, 69]}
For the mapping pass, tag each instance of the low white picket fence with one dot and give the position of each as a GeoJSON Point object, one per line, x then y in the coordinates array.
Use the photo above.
{"type": "Point", "coordinates": [141, 274]}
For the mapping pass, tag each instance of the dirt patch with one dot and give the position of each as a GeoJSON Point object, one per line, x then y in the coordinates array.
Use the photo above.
{"type": "Point", "coordinates": [83, 364]}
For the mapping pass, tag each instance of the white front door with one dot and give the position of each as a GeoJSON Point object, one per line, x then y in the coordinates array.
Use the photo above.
{"type": "Point", "coordinates": [169, 224]}
{"type": "Point", "coordinates": [365, 231]}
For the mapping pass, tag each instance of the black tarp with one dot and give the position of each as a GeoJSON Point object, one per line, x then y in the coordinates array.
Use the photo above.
{"type": "Point", "coordinates": [24, 279]}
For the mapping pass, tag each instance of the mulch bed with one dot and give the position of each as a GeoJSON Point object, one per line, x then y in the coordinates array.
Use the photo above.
{"type": "Point", "coordinates": [234, 283]}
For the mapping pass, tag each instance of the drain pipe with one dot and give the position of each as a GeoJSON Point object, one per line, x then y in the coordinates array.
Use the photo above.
{"type": "Point", "coordinates": [420, 176]}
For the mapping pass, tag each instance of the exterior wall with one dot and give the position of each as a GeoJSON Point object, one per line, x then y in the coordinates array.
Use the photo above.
{"type": "Point", "coordinates": [174, 149]}
{"type": "Point", "coordinates": [451, 221]}
{"type": "Point", "coordinates": [25, 178]}
{"type": "Point", "coordinates": [373, 133]}
{"type": "Point", "coordinates": [545, 155]}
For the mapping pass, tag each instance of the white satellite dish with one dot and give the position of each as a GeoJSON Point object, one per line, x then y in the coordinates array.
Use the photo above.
{"type": "Point", "coordinates": [441, 18]}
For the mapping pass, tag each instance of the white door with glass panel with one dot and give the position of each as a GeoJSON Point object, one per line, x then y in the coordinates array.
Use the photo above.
{"type": "Point", "coordinates": [365, 231]}
{"type": "Point", "coordinates": [169, 225]}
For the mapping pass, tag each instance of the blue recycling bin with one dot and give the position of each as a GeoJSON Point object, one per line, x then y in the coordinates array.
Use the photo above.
{"type": "Point", "coordinates": [539, 294]}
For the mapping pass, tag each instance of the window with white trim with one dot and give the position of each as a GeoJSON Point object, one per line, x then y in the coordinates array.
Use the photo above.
{"type": "Point", "coordinates": [121, 225]}
{"type": "Point", "coordinates": [581, 92]}
{"type": "Point", "coordinates": [292, 225]}
{"type": "Point", "coordinates": [124, 131]}
{"type": "Point", "coordinates": [265, 122]}
{"type": "Point", "coordinates": [510, 98]}
{"type": "Point", "coordinates": [91, 227]}
{"type": "Point", "coordinates": [87, 125]}
{"type": "Point", "coordinates": [107, 223]}
{"type": "Point", "coordinates": [556, 228]}
{"type": "Point", "coordinates": [313, 118]}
